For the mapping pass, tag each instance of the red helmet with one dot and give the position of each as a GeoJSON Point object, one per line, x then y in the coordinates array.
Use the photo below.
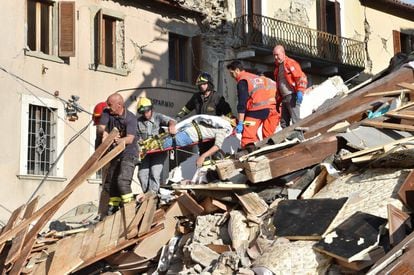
{"type": "Point", "coordinates": [97, 112]}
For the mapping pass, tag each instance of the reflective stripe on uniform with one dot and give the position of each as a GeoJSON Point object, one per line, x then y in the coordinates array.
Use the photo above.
{"type": "Point", "coordinates": [114, 201]}
{"type": "Point", "coordinates": [127, 197]}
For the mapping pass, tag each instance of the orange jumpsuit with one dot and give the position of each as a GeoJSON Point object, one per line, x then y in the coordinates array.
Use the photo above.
{"type": "Point", "coordinates": [262, 93]}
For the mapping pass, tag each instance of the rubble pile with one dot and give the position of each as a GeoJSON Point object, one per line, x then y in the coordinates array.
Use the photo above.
{"type": "Point", "coordinates": [330, 194]}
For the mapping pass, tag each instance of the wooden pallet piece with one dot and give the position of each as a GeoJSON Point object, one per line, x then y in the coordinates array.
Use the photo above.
{"type": "Point", "coordinates": [148, 216]}
{"type": "Point", "coordinates": [252, 203]}
{"type": "Point", "coordinates": [91, 166]}
{"type": "Point", "coordinates": [67, 254]}
{"type": "Point", "coordinates": [396, 223]}
{"type": "Point", "coordinates": [406, 191]}
{"type": "Point", "coordinates": [122, 245]}
{"type": "Point", "coordinates": [92, 237]}
{"type": "Point", "coordinates": [18, 241]}
{"type": "Point", "coordinates": [106, 233]}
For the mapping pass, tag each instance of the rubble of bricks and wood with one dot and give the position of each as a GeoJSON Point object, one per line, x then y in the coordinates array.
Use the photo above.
{"type": "Point", "coordinates": [333, 193]}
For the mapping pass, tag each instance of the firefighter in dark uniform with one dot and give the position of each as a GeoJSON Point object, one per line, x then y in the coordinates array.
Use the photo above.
{"type": "Point", "coordinates": [206, 102]}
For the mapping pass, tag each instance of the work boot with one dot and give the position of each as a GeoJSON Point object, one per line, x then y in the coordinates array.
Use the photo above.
{"type": "Point", "coordinates": [112, 209]}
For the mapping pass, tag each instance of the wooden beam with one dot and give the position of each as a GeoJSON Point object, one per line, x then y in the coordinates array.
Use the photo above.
{"type": "Point", "coordinates": [387, 125]}
{"type": "Point", "coordinates": [292, 159]}
{"type": "Point", "coordinates": [396, 222]}
{"type": "Point", "coordinates": [406, 85]}
{"type": "Point", "coordinates": [18, 242]}
{"type": "Point", "coordinates": [87, 170]}
{"type": "Point", "coordinates": [400, 115]}
{"type": "Point", "coordinates": [148, 217]}
{"type": "Point", "coordinates": [388, 93]}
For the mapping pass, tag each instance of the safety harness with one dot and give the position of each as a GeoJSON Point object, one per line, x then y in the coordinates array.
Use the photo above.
{"type": "Point", "coordinates": [197, 128]}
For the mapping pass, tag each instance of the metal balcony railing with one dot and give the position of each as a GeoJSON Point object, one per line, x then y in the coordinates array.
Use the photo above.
{"type": "Point", "coordinates": [262, 31]}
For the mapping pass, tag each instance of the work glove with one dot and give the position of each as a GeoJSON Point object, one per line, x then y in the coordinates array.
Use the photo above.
{"type": "Point", "coordinates": [239, 127]}
{"type": "Point", "coordinates": [299, 97]}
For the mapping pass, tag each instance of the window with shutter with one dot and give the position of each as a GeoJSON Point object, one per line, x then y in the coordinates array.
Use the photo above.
{"type": "Point", "coordinates": [50, 29]}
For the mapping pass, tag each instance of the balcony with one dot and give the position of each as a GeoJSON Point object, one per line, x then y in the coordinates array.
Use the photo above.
{"type": "Point", "coordinates": [263, 33]}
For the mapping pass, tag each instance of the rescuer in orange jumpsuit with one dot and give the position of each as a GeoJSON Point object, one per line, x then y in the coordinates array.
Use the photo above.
{"type": "Point", "coordinates": [256, 104]}
{"type": "Point", "coordinates": [291, 84]}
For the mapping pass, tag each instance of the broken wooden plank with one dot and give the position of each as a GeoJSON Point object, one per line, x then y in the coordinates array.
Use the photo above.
{"type": "Point", "coordinates": [227, 169]}
{"type": "Point", "coordinates": [316, 185]}
{"type": "Point", "coordinates": [406, 191]}
{"type": "Point", "coordinates": [122, 245]}
{"type": "Point", "coordinates": [305, 219]}
{"type": "Point", "coordinates": [289, 160]}
{"type": "Point", "coordinates": [18, 241]}
{"type": "Point", "coordinates": [211, 205]}
{"type": "Point", "coordinates": [400, 115]}
{"type": "Point", "coordinates": [397, 220]}
{"type": "Point", "coordinates": [373, 256]}
{"type": "Point", "coordinates": [211, 186]}
{"type": "Point", "coordinates": [376, 148]}
{"type": "Point", "coordinates": [148, 215]}
{"type": "Point", "coordinates": [353, 238]}
{"type": "Point", "coordinates": [92, 237]}
{"type": "Point", "coordinates": [30, 240]}
{"type": "Point", "coordinates": [406, 85]}
{"type": "Point", "coordinates": [387, 125]}
{"type": "Point", "coordinates": [252, 203]}
{"type": "Point", "coordinates": [14, 217]}
{"type": "Point", "coordinates": [150, 246]}
{"type": "Point", "coordinates": [132, 230]}
{"type": "Point", "coordinates": [388, 93]}
{"type": "Point", "coordinates": [190, 204]}
{"type": "Point", "coordinates": [67, 254]}
{"type": "Point", "coordinates": [91, 166]}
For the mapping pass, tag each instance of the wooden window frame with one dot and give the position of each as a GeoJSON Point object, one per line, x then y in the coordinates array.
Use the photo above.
{"type": "Point", "coordinates": [50, 29]}
{"type": "Point", "coordinates": [104, 61]}
{"type": "Point", "coordinates": [184, 57]}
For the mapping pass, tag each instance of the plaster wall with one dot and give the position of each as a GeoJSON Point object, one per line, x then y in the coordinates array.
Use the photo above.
{"type": "Point", "coordinates": [146, 64]}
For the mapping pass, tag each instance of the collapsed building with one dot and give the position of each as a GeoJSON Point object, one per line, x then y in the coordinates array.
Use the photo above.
{"type": "Point", "coordinates": [330, 194]}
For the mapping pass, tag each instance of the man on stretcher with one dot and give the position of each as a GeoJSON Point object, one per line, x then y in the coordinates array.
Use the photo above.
{"type": "Point", "coordinates": [192, 130]}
